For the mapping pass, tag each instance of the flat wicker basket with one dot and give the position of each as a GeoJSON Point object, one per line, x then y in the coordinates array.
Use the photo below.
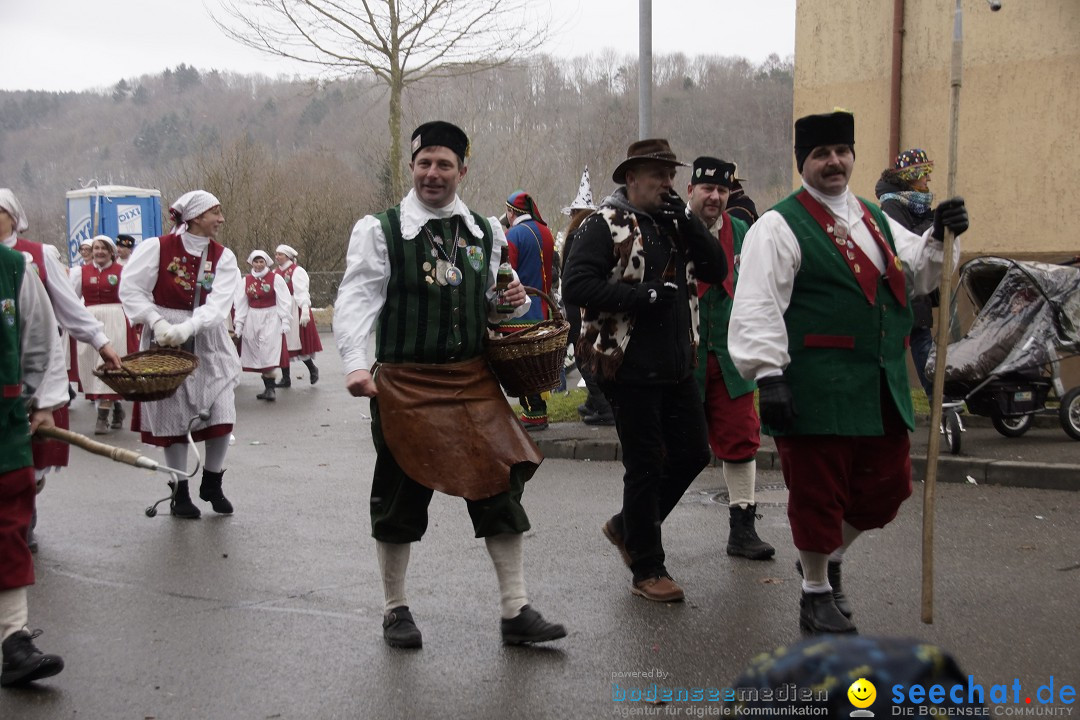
{"type": "Point", "coordinates": [149, 375]}
{"type": "Point", "coordinates": [530, 361]}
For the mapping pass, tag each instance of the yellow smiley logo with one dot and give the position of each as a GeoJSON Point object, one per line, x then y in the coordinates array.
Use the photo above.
{"type": "Point", "coordinates": [862, 693]}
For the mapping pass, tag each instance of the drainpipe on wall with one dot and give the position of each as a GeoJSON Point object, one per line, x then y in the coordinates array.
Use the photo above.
{"type": "Point", "coordinates": [896, 73]}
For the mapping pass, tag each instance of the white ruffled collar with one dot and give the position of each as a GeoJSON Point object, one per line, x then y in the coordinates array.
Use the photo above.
{"type": "Point", "coordinates": [415, 214]}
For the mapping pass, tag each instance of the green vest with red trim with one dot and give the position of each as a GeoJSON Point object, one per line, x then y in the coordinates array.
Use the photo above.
{"type": "Point", "coordinates": [714, 312]}
{"type": "Point", "coordinates": [841, 344]}
{"type": "Point", "coordinates": [14, 424]}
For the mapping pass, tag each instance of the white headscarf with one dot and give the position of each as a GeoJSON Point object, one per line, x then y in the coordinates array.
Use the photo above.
{"type": "Point", "coordinates": [10, 203]}
{"type": "Point", "coordinates": [86, 242]}
{"type": "Point", "coordinates": [257, 254]}
{"type": "Point", "coordinates": [288, 250]}
{"type": "Point", "coordinates": [190, 205]}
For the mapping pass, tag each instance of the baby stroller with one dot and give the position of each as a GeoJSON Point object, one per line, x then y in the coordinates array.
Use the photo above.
{"type": "Point", "coordinates": [1007, 365]}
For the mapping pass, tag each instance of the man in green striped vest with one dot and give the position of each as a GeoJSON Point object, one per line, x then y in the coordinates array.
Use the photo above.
{"type": "Point", "coordinates": [421, 278]}
{"type": "Point", "coordinates": [821, 321]}
{"type": "Point", "coordinates": [27, 333]}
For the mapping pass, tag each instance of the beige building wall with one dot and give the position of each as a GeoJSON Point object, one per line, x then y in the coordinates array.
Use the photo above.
{"type": "Point", "coordinates": [1018, 163]}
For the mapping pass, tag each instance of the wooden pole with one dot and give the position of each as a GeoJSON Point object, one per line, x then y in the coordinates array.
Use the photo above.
{"type": "Point", "coordinates": [128, 457]}
{"type": "Point", "coordinates": [933, 447]}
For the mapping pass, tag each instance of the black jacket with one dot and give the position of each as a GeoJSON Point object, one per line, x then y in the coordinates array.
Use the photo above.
{"type": "Point", "coordinates": [659, 350]}
{"type": "Point", "coordinates": [921, 305]}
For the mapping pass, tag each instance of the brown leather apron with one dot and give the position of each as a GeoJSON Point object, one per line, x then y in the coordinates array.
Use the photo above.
{"type": "Point", "coordinates": [450, 427]}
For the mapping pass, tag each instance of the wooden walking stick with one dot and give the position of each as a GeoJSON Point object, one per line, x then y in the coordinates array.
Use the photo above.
{"type": "Point", "coordinates": [128, 457]}
{"type": "Point", "coordinates": [933, 447]}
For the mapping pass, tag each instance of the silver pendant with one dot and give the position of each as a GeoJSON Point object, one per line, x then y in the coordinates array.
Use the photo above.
{"type": "Point", "coordinates": [441, 267]}
{"type": "Point", "coordinates": [453, 276]}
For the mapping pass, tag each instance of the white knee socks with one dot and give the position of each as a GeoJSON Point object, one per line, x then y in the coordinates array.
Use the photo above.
{"type": "Point", "coordinates": [740, 483]}
{"type": "Point", "coordinates": [505, 551]}
{"type": "Point", "coordinates": [13, 612]}
{"type": "Point", "coordinates": [393, 561]}
{"type": "Point", "coordinates": [813, 572]}
{"type": "Point", "coordinates": [850, 533]}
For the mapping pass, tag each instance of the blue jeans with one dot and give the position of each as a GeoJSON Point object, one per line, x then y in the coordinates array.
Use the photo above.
{"type": "Point", "coordinates": [922, 339]}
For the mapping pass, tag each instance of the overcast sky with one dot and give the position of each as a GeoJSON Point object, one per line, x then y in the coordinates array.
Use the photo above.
{"type": "Point", "coordinates": [83, 44]}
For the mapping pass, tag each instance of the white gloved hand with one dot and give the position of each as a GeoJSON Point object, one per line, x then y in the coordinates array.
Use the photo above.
{"type": "Point", "coordinates": [305, 316]}
{"type": "Point", "coordinates": [285, 328]}
{"type": "Point", "coordinates": [179, 334]}
{"type": "Point", "coordinates": [161, 328]}
{"type": "Point", "coordinates": [238, 329]}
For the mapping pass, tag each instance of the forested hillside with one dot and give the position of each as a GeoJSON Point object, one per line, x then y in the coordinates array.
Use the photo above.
{"type": "Point", "coordinates": [300, 161]}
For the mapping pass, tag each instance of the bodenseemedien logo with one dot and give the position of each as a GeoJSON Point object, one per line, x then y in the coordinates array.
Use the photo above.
{"type": "Point", "coordinates": [862, 694]}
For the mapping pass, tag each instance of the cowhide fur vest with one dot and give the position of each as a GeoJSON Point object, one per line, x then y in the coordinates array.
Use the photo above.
{"type": "Point", "coordinates": [605, 335]}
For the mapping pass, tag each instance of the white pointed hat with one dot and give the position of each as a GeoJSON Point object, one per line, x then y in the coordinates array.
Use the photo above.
{"type": "Point", "coordinates": [584, 200]}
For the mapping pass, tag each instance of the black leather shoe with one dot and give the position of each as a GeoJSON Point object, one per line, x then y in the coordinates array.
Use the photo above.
{"type": "Point", "coordinates": [833, 574]}
{"type": "Point", "coordinates": [530, 627]}
{"type": "Point", "coordinates": [598, 419]}
{"type": "Point", "coordinates": [818, 614]}
{"type": "Point", "coordinates": [24, 663]}
{"type": "Point", "coordinates": [399, 630]}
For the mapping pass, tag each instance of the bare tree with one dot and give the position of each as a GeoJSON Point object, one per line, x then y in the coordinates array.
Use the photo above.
{"type": "Point", "coordinates": [398, 41]}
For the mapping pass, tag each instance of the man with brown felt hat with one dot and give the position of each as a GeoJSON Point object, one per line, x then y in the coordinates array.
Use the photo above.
{"type": "Point", "coordinates": [634, 269]}
{"type": "Point", "coordinates": [820, 320]}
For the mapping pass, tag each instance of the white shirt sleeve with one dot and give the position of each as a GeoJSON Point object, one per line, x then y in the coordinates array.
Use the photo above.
{"type": "Point", "coordinates": [284, 302]}
{"type": "Point", "coordinates": [498, 241]}
{"type": "Point", "coordinates": [69, 309]}
{"type": "Point", "coordinates": [138, 281]}
{"type": "Point", "coordinates": [301, 285]}
{"type": "Point", "coordinates": [218, 303]}
{"type": "Point", "coordinates": [362, 293]}
{"type": "Point", "coordinates": [36, 337]}
{"type": "Point", "coordinates": [240, 304]}
{"type": "Point", "coordinates": [922, 256]}
{"type": "Point", "coordinates": [757, 336]}
{"type": "Point", "coordinates": [75, 275]}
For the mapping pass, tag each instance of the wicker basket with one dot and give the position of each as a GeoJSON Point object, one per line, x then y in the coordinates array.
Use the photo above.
{"type": "Point", "coordinates": [148, 375]}
{"type": "Point", "coordinates": [530, 361]}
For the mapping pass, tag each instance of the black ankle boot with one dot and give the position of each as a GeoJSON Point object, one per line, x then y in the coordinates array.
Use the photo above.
{"type": "Point", "coordinates": [210, 491]}
{"type": "Point", "coordinates": [818, 614]}
{"type": "Point", "coordinates": [285, 381]}
{"type": "Point", "coordinates": [24, 663]}
{"type": "Point", "coordinates": [181, 506]}
{"type": "Point", "coordinates": [313, 372]}
{"type": "Point", "coordinates": [743, 539]}
{"type": "Point", "coordinates": [833, 574]}
{"type": "Point", "coordinates": [268, 393]}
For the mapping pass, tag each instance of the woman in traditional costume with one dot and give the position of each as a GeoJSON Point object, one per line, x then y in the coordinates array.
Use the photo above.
{"type": "Point", "coordinates": [181, 287]}
{"type": "Point", "coordinates": [263, 314]}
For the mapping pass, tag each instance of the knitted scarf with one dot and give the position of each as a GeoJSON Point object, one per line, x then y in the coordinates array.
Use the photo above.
{"type": "Point", "coordinates": [605, 335]}
{"type": "Point", "coordinates": [917, 202]}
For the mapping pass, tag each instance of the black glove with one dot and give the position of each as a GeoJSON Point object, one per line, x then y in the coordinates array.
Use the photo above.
{"type": "Point", "coordinates": [776, 404]}
{"type": "Point", "coordinates": [672, 208]}
{"type": "Point", "coordinates": [654, 293]}
{"type": "Point", "coordinates": [950, 214]}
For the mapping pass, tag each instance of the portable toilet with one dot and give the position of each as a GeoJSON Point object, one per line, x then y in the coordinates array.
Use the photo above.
{"type": "Point", "coordinates": [111, 210]}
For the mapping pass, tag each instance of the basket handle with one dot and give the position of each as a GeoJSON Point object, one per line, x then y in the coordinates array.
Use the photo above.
{"type": "Point", "coordinates": [555, 314]}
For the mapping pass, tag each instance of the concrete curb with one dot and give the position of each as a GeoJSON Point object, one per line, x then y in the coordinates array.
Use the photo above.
{"type": "Point", "coordinates": [1005, 473]}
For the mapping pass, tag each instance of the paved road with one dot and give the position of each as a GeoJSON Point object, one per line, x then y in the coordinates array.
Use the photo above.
{"type": "Point", "coordinates": [274, 612]}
